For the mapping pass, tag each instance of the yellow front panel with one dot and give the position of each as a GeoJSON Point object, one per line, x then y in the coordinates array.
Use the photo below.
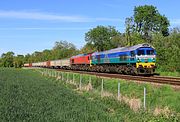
{"type": "Point", "coordinates": [147, 65]}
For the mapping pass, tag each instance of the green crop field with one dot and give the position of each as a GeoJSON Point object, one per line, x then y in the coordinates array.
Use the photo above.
{"type": "Point", "coordinates": [26, 95]}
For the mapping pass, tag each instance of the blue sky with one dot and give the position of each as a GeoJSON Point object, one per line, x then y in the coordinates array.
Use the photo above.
{"type": "Point", "coordinates": [34, 25]}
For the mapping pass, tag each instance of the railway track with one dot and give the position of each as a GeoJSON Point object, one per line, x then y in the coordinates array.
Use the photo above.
{"type": "Point", "coordinates": [175, 81]}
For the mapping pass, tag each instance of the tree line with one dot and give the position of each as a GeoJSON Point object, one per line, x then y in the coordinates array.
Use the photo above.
{"type": "Point", "coordinates": [146, 25]}
{"type": "Point", "coordinates": [61, 49]}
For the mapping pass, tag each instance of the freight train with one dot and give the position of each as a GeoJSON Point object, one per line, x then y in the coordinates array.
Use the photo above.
{"type": "Point", "coordinates": [134, 60]}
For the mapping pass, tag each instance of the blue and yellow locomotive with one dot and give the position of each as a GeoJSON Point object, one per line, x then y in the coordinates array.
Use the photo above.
{"type": "Point", "coordinates": [138, 59]}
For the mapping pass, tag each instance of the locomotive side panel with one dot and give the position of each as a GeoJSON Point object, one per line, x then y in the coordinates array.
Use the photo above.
{"type": "Point", "coordinates": [81, 60]}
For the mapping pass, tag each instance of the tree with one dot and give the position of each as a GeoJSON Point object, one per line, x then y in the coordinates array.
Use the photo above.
{"type": "Point", "coordinates": [147, 20]}
{"type": "Point", "coordinates": [27, 58]}
{"type": "Point", "coordinates": [63, 49]}
{"type": "Point", "coordinates": [37, 56]}
{"type": "Point", "coordinates": [1, 62]}
{"type": "Point", "coordinates": [101, 37]}
{"type": "Point", "coordinates": [63, 45]}
{"type": "Point", "coordinates": [168, 51]}
{"type": "Point", "coordinates": [129, 30]}
{"type": "Point", "coordinates": [88, 48]}
{"type": "Point", "coordinates": [7, 59]}
{"type": "Point", "coordinates": [118, 41]}
{"type": "Point", "coordinates": [47, 55]}
{"type": "Point", "coordinates": [18, 61]}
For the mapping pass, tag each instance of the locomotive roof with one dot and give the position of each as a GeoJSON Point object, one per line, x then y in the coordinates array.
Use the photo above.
{"type": "Point", "coordinates": [123, 49]}
{"type": "Point", "coordinates": [80, 55]}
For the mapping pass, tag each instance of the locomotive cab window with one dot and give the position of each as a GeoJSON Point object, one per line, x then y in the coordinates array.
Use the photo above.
{"type": "Point", "coordinates": [150, 52]}
{"type": "Point", "coordinates": [140, 52]}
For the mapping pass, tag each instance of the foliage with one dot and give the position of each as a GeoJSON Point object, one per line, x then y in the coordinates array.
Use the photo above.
{"type": "Point", "coordinates": [7, 59]}
{"type": "Point", "coordinates": [88, 48]}
{"type": "Point", "coordinates": [61, 49]}
{"type": "Point", "coordinates": [18, 61]}
{"type": "Point", "coordinates": [167, 73]}
{"type": "Point", "coordinates": [146, 21]}
{"type": "Point", "coordinates": [101, 37]}
{"type": "Point", "coordinates": [1, 65]}
{"type": "Point", "coordinates": [168, 51]}
{"type": "Point", "coordinates": [129, 30]}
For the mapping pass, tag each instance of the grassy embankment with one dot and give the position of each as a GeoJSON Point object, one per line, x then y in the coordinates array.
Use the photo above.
{"type": "Point", "coordinates": [25, 95]}
{"type": "Point", "coordinates": [159, 99]}
{"type": "Point", "coordinates": [165, 73]}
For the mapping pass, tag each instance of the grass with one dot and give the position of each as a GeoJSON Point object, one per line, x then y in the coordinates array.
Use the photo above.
{"type": "Point", "coordinates": [133, 90]}
{"type": "Point", "coordinates": [165, 73]}
{"type": "Point", "coordinates": [26, 95]}
{"type": "Point", "coordinates": [161, 96]}
{"type": "Point", "coordinates": [157, 96]}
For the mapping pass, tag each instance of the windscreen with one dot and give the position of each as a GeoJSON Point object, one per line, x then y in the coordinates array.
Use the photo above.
{"type": "Point", "coordinates": [150, 52]}
{"type": "Point", "coordinates": [140, 52]}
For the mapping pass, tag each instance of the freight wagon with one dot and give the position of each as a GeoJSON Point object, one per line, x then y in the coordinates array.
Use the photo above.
{"type": "Point", "coordinates": [28, 65]}
{"type": "Point", "coordinates": [63, 63]}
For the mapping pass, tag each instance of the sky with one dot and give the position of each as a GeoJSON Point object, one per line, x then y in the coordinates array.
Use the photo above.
{"type": "Point", "coordinates": [34, 25]}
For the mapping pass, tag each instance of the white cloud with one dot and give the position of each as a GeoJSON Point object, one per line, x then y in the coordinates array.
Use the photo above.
{"type": "Point", "coordinates": [51, 17]}
{"type": "Point", "coordinates": [40, 16]}
{"type": "Point", "coordinates": [44, 28]}
{"type": "Point", "coordinates": [51, 28]}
